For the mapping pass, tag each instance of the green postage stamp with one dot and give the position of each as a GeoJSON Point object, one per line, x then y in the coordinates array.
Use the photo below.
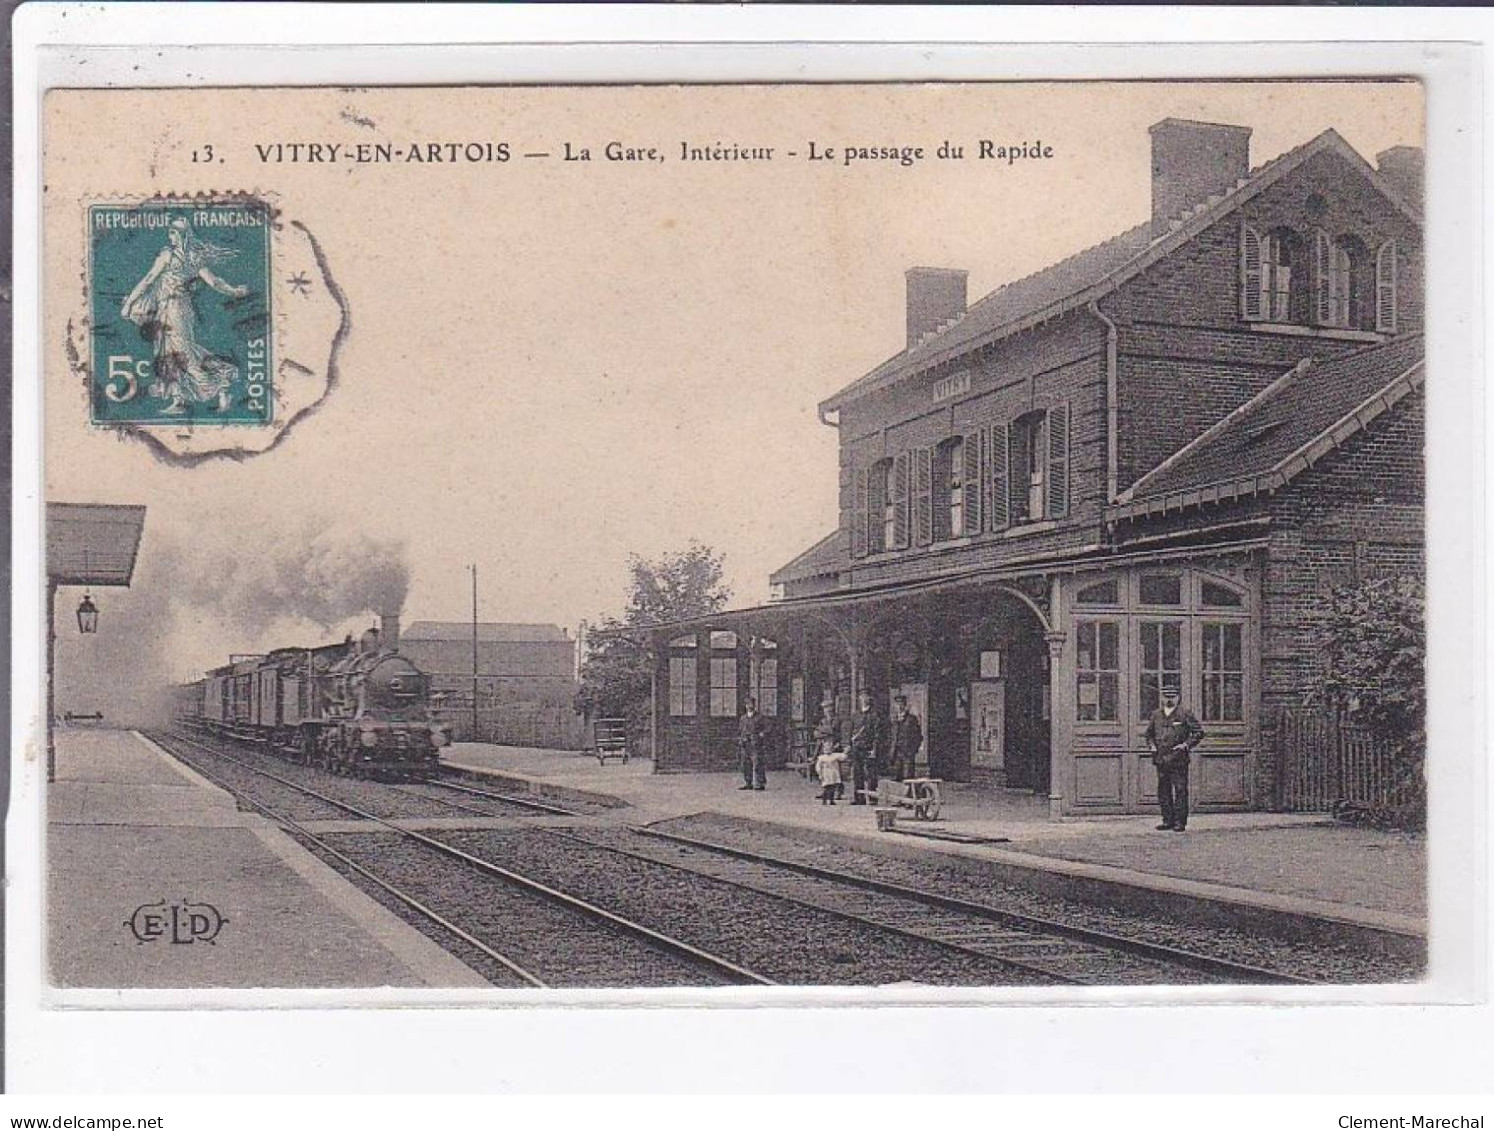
{"type": "Point", "coordinates": [180, 305]}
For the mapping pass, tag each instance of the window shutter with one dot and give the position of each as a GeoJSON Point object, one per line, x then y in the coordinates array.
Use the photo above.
{"type": "Point", "coordinates": [1385, 303]}
{"type": "Point", "coordinates": [1058, 460]}
{"type": "Point", "coordinates": [1251, 277]}
{"type": "Point", "coordinates": [971, 483]}
{"type": "Point", "coordinates": [900, 502]}
{"type": "Point", "coordinates": [999, 511]}
{"type": "Point", "coordinates": [859, 520]}
{"type": "Point", "coordinates": [876, 508]}
{"type": "Point", "coordinates": [923, 496]}
{"type": "Point", "coordinates": [1322, 262]}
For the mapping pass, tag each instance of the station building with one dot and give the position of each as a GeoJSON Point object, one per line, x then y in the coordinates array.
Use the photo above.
{"type": "Point", "coordinates": [1145, 466]}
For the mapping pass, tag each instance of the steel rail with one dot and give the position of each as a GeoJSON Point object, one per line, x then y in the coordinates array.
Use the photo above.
{"type": "Point", "coordinates": [512, 799]}
{"type": "Point", "coordinates": [838, 912]}
{"type": "Point", "coordinates": [404, 897]}
{"type": "Point", "coordinates": [1160, 952]}
{"type": "Point", "coordinates": [516, 879]}
{"type": "Point", "coordinates": [459, 805]}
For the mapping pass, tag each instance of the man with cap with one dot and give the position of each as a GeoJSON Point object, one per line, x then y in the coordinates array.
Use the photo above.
{"type": "Point", "coordinates": [907, 740]}
{"type": "Point", "coordinates": [866, 741]}
{"type": "Point", "coordinates": [752, 739]}
{"type": "Point", "coordinates": [1172, 734]}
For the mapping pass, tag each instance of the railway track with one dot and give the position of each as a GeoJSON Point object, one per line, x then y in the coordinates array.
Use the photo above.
{"type": "Point", "coordinates": [719, 969]}
{"type": "Point", "coordinates": [1064, 951]}
{"type": "Point", "coordinates": [1035, 949]}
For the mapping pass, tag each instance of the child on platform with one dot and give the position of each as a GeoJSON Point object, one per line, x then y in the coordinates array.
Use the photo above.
{"type": "Point", "coordinates": [827, 767]}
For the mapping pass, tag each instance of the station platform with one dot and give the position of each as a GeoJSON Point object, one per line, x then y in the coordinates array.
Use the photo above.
{"type": "Point", "coordinates": [1249, 865]}
{"type": "Point", "coordinates": [155, 879]}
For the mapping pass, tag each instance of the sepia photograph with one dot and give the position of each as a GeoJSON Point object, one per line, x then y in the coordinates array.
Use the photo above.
{"type": "Point", "coordinates": [920, 537]}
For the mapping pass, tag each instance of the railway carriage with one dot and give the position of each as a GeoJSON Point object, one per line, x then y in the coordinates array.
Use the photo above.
{"type": "Point", "coordinates": [350, 708]}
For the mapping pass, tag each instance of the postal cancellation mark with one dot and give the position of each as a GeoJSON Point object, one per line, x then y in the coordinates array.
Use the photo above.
{"type": "Point", "coordinates": [180, 303]}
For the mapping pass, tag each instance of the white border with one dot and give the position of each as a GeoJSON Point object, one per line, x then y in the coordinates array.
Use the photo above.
{"type": "Point", "coordinates": [766, 1048]}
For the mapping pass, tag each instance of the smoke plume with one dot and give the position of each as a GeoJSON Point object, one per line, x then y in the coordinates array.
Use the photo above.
{"type": "Point", "coordinates": [193, 602]}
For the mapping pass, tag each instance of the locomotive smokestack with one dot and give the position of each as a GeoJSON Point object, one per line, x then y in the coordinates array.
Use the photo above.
{"type": "Point", "coordinates": [389, 630]}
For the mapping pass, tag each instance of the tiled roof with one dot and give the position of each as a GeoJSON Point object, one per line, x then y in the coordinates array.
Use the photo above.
{"type": "Point", "coordinates": [493, 632]}
{"type": "Point", "coordinates": [827, 556]}
{"type": "Point", "coordinates": [1084, 277]}
{"type": "Point", "coordinates": [1283, 430]}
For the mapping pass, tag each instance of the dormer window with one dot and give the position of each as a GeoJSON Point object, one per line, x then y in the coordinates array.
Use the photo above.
{"type": "Point", "coordinates": [1281, 255]}
{"type": "Point", "coordinates": [1343, 266]}
{"type": "Point", "coordinates": [1334, 281]}
{"type": "Point", "coordinates": [1270, 275]}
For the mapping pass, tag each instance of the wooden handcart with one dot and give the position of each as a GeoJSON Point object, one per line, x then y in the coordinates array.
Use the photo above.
{"type": "Point", "coordinates": [919, 795]}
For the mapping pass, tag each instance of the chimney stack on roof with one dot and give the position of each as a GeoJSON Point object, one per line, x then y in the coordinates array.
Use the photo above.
{"type": "Point", "coordinates": [1402, 166]}
{"type": "Point", "coordinates": [1192, 161]}
{"type": "Point", "coordinates": [936, 295]}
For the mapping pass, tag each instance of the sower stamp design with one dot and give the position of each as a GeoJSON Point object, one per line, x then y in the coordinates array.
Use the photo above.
{"type": "Point", "coordinates": [180, 305]}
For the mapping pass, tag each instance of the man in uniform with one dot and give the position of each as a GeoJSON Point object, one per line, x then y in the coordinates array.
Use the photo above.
{"type": "Point", "coordinates": [866, 741]}
{"type": "Point", "coordinates": [1172, 734]}
{"type": "Point", "coordinates": [907, 739]}
{"type": "Point", "coordinates": [752, 739]}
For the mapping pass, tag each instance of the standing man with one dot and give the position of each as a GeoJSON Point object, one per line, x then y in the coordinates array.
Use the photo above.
{"type": "Point", "coordinates": [907, 740]}
{"type": "Point", "coordinates": [1172, 734]}
{"type": "Point", "coordinates": [752, 738]}
{"type": "Point", "coordinates": [866, 740]}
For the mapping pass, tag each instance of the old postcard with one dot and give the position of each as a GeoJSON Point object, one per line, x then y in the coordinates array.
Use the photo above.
{"type": "Point", "coordinates": [945, 541]}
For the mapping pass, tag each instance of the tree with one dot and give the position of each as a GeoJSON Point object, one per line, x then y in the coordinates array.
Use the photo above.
{"type": "Point", "coordinates": [1375, 652]}
{"type": "Point", "coordinates": [617, 675]}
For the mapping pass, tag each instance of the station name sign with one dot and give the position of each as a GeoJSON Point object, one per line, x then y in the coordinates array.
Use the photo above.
{"type": "Point", "coordinates": [954, 386]}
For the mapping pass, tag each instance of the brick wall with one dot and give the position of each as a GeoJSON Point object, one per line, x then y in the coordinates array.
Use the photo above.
{"type": "Point", "coordinates": [1186, 357]}
{"type": "Point", "coordinates": [1060, 362]}
{"type": "Point", "coordinates": [1357, 514]}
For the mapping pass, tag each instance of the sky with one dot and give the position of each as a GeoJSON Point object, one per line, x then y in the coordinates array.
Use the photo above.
{"type": "Point", "coordinates": [554, 365]}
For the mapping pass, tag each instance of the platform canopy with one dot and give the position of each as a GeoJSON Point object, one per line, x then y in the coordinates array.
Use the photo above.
{"type": "Point", "coordinates": [92, 543]}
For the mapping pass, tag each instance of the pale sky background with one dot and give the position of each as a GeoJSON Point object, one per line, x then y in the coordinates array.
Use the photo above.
{"type": "Point", "coordinates": [552, 366]}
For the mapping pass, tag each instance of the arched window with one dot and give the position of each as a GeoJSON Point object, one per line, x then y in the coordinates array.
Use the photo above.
{"type": "Point", "coordinates": [1344, 283]}
{"type": "Point", "coordinates": [1029, 466]}
{"type": "Point", "coordinates": [1281, 285]}
{"type": "Point", "coordinates": [1273, 283]}
{"type": "Point", "coordinates": [949, 489]}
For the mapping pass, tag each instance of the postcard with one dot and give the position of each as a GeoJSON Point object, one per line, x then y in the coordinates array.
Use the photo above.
{"type": "Point", "coordinates": [708, 545]}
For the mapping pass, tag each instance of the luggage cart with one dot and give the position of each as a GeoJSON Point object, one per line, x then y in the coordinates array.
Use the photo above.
{"type": "Point", "coordinates": [610, 740]}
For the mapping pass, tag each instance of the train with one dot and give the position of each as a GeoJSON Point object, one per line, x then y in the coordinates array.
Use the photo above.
{"type": "Point", "coordinates": [355, 708]}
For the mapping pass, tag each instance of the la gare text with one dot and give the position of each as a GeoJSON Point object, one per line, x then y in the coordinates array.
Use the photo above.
{"type": "Point", "coordinates": [620, 152]}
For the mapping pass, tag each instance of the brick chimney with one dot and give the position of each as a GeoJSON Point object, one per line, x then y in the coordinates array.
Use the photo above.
{"type": "Point", "coordinates": [1192, 161]}
{"type": "Point", "coordinates": [1402, 166]}
{"type": "Point", "coordinates": [389, 630]}
{"type": "Point", "coordinates": [935, 296]}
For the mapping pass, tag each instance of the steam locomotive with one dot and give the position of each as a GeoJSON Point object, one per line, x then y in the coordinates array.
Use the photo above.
{"type": "Point", "coordinates": [355, 708]}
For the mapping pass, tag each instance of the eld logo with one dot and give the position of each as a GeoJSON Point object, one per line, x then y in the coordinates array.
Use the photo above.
{"type": "Point", "coordinates": [183, 923]}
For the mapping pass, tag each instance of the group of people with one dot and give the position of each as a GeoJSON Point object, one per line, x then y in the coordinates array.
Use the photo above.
{"type": "Point", "coordinates": [861, 743]}
{"type": "Point", "coordinates": [1172, 732]}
